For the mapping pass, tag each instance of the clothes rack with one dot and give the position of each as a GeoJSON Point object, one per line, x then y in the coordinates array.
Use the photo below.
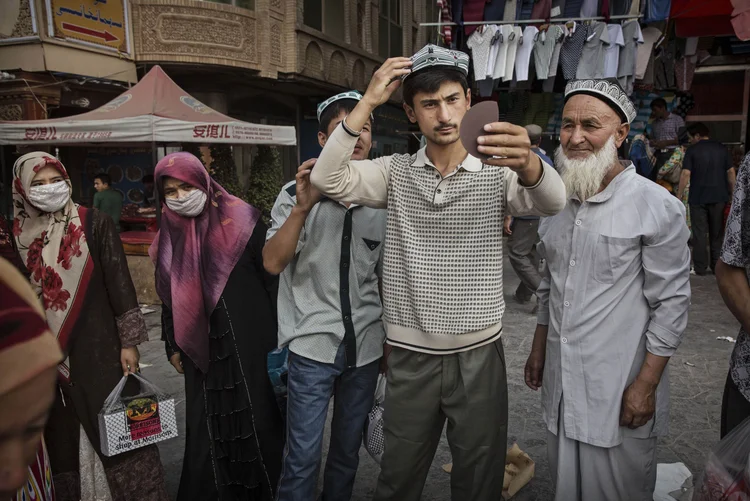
{"type": "Point", "coordinates": [553, 20]}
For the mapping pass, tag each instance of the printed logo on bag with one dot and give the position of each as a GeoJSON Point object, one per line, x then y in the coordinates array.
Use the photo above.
{"type": "Point", "coordinates": [143, 418]}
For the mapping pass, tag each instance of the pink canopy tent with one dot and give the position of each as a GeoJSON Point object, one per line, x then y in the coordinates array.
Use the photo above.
{"type": "Point", "coordinates": [155, 110]}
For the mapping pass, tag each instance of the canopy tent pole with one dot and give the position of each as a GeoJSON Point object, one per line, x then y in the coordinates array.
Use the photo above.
{"type": "Point", "coordinates": [154, 161]}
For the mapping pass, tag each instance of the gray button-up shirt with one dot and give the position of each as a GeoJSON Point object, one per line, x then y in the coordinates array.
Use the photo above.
{"type": "Point", "coordinates": [329, 293]}
{"type": "Point", "coordinates": [617, 287]}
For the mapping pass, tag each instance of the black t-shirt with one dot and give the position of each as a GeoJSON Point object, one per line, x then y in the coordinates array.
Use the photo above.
{"type": "Point", "coordinates": [708, 163]}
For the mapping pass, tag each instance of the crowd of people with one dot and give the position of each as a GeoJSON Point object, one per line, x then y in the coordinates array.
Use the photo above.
{"type": "Point", "coordinates": [392, 265]}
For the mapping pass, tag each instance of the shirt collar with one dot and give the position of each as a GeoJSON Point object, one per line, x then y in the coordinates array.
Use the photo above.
{"type": "Point", "coordinates": [607, 193]}
{"type": "Point", "coordinates": [470, 163]}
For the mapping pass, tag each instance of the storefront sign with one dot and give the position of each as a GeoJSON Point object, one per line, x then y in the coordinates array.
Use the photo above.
{"type": "Point", "coordinates": [102, 23]}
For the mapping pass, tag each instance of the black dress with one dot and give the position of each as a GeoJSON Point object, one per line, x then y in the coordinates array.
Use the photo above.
{"type": "Point", "coordinates": [235, 433]}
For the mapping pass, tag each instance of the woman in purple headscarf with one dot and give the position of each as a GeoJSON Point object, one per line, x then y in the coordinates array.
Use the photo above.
{"type": "Point", "coordinates": [218, 323]}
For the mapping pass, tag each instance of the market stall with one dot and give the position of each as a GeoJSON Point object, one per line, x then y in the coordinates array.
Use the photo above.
{"type": "Point", "coordinates": [154, 112]}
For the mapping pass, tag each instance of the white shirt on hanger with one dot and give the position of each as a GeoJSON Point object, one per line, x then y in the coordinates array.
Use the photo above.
{"type": "Point", "coordinates": [510, 60]}
{"type": "Point", "coordinates": [479, 43]}
{"type": "Point", "coordinates": [502, 51]}
{"type": "Point", "coordinates": [612, 51]}
{"type": "Point", "coordinates": [494, 49]}
{"type": "Point", "coordinates": [523, 54]}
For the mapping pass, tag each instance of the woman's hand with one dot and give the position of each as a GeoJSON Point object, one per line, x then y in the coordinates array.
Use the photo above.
{"type": "Point", "coordinates": [176, 361]}
{"type": "Point", "coordinates": [129, 358]}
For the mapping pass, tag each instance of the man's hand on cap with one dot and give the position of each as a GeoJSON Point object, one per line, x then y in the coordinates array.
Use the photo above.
{"type": "Point", "coordinates": [386, 80]}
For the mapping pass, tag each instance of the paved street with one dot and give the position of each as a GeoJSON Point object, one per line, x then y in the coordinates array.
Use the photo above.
{"type": "Point", "coordinates": [695, 409]}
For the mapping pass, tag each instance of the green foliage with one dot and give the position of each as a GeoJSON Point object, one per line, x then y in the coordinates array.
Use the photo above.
{"type": "Point", "coordinates": [223, 170]}
{"type": "Point", "coordinates": [266, 180]}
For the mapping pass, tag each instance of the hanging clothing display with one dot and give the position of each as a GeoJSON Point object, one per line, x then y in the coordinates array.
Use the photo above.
{"type": "Point", "coordinates": [631, 33]}
{"type": "Point", "coordinates": [573, 8]}
{"type": "Point", "coordinates": [524, 9]}
{"type": "Point", "coordinates": [664, 65]}
{"type": "Point", "coordinates": [445, 17]}
{"type": "Point", "coordinates": [501, 57]}
{"type": "Point", "coordinates": [589, 8]}
{"type": "Point", "coordinates": [657, 10]}
{"type": "Point", "coordinates": [510, 59]}
{"type": "Point", "coordinates": [558, 8]}
{"type": "Point", "coordinates": [620, 7]}
{"type": "Point", "coordinates": [479, 43]}
{"type": "Point", "coordinates": [494, 10]}
{"type": "Point", "coordinates": [542, 9]}
{"type": "Point", "coordinates": [555, 61]}
{"type": "Point", "coordinates": [510, 11]}
{"type": "Point", "coordinates": [473, 11]}
{"type": "Point", "coordinates": [612, 51]}
{"type": "Point", "coordinates": [544, 48]}
{"type": "Point", "coordinates": [523, 54]}
{"type": "Point", "coordinates": [646, 51]}
{"type": "Point", "coordinates": [494, 48]}
{"type": "Point", "coordinates": [570, 54]}
{"type": "Point", "coordinates": [591, 64]}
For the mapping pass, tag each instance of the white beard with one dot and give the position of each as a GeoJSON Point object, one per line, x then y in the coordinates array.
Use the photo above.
{"type": "Point", "coordinates": [584, 177]}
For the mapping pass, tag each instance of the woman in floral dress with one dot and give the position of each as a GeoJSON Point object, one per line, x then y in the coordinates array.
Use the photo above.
{"type": "Point", "coordinates": [78, 269]}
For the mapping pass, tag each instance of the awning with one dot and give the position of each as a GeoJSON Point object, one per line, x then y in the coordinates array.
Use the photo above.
{"type": "Point", "coordinates": [702, 18]}
{"type": "Point", "coordinates": [154, 110]}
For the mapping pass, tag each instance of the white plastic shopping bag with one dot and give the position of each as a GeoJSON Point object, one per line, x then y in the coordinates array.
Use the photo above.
{"type": "Point", "coordinates": [374, 439]}
{"type": "Point", "coordinates": [128, 423]}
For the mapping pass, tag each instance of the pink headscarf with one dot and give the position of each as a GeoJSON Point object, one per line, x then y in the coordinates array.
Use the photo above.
{"type": "Point", "coordinates": [194, 256]}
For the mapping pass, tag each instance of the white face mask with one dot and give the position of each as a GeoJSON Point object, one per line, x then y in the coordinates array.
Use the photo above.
{"type": "Point", "coordinates": [191, 205]}
{"type": "Point", "coordinates": [49, 197]}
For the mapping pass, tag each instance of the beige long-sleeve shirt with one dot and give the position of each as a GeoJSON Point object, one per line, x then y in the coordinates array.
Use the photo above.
{"type": "Point", "coordinates": [442, 264]}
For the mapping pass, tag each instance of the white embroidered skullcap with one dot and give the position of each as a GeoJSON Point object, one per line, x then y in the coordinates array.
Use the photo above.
{"type": "Point", "coordinates": [609, 91]}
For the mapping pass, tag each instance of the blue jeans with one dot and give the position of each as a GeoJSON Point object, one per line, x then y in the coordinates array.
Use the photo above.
{"type": "Point", "coordinates": [311, 385]}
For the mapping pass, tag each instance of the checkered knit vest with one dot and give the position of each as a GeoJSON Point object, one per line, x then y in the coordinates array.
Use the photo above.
{"type": "Point", "coordinates": [443, 261]}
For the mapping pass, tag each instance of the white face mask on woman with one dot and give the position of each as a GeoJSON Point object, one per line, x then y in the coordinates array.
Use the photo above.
{"type": "Point", "coordinates": [191, 205]}
{"type": "Point", "coordinates": [50, 197]}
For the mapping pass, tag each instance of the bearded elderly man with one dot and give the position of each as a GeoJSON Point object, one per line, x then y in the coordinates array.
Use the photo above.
{"type": "Point", "coordinates": [612, 307]}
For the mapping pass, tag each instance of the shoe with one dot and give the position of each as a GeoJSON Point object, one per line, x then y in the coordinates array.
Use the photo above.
{"type": "Point", "coordinates": [520, 299]}
{"type": "Point", "coordinates": [535, 309]}
{"type": "Point", "coordinates": [701, 273]}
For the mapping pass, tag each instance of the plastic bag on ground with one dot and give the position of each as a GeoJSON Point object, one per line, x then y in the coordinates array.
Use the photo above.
{"type": "Point", "coordinates": [726, 476]}
{"type": "Point", "coordinates": [128, 423]}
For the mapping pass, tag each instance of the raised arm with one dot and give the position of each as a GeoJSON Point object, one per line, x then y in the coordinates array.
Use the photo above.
{"type": "Point", "coordinates": [286, 236]}
{"type": "Point", "coordinates": [363, 182]}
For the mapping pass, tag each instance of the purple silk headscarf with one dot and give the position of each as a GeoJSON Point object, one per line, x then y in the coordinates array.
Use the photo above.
{"type": "Point", "coordinates": [194, 256]}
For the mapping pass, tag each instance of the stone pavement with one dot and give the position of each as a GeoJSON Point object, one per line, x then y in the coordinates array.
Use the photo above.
{"type": "Point", "coordinates": [695, 407]}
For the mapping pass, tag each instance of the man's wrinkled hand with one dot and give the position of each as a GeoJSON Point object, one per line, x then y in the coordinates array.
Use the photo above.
{"type": "Point", "coordinates": [638, 404]}
{"type": "Point", "coordinates": [534, 370]}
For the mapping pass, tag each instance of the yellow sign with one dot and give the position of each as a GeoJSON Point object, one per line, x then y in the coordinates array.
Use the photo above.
{"type": "Point", "coordinates": [98, 22]}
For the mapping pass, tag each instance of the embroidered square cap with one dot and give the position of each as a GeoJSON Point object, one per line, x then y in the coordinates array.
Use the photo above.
{"type": "Point", "coordinates": [433, 55]}
{"type": "Point", "coordinates": [607, 90]}
{"type": "Point", "coordinates": [351, 94]}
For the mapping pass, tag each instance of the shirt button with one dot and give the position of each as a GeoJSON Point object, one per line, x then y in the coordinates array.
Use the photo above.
{"type": "Point", "coordinates": [346, 238]}
{"type": "Point", "coordinates": [564, 340]}
{"type": "Point", "coordinates": [346, 318]}
{"type": "Point", "coordinates": [439, 191]}
{"type": "Point", "coordinates": [437, 176]}
{"type": "Point", "coordinates": [346, 265]}
{"type": "Point", "coordinates": [572, 262]}
{"type": "Point", "coordinates": [578, 222]}
{"type": "Point", "coordinates": [567, 303]}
